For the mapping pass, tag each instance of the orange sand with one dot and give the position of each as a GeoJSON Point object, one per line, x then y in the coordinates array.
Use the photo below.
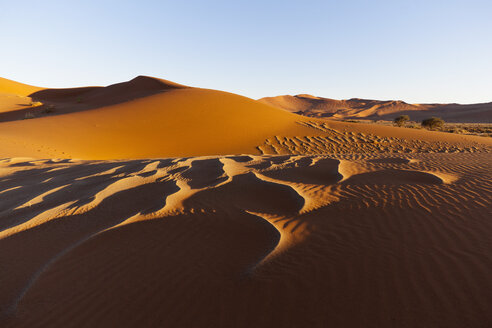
{"type": "Point", "coordinates": [152, 118]}
{"type": "Point", "coordinates": [312, 223]}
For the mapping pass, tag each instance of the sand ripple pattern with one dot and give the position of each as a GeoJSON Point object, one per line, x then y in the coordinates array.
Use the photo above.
{"type": "Point", "coordinates": [342, 240]}
{"type": "Point", "coordinates": [348, 142]}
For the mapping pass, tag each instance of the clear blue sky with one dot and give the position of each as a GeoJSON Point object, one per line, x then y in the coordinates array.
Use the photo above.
{"type": "Point", "coordinates": [415, 50]}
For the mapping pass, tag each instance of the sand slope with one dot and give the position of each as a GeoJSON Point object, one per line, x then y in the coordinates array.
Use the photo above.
{"type": "Point", "coordinates": [152, 118]}
{"type": "Point", "coordinates": [145, 117]}
{"type": "Point", "coordinates": [377, 109]}
{"type": "Point", "coordinates": [248, 241]}
{"type": "Point", "coordinates": [14, 96]}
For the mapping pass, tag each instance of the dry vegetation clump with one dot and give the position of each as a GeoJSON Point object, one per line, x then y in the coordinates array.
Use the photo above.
{"type": "Point", "coordinates": [413, 125]}
{"type": "Point", "coordinates": [401, 120]}
{"type": "Point", "coordinates": [478, 129]}
{"type": "Point", "coordinates": [433, 123]}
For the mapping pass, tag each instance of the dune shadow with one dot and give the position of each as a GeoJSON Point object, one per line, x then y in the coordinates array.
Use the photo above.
{"type": "Point", "coordinates": [74, 183]}
{"type": "Point", "coordinates": [247, 192]}
{"type": "Point", "coordinates": [26, 253]}
{"type": "Point", "coordinates": [117, 267]}
{"type": "Point", "coordinates": [325, 171]}
{"type": "Point", "coordinates": [241, 159]}
{"type": "Point", "coordinates": [393, 177]}
{"type": "Point", "coordinates": [390, 160]}
{"type": "Point", "coordinates": [71, 100]}
{"type": "Point", "coordinates": [204, 173]}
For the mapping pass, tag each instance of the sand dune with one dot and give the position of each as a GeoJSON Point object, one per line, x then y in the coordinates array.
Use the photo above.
{"type": "Point", "coordinates": [248, 241]}
{"type": "Point", "coordinates": [153, 204]}
{"type": "Point", "coordinates": [169, 120]}
{"type": "Point", "coordinates": [153, 118]}
{"type": "Point", "coordinates": [379, 109]}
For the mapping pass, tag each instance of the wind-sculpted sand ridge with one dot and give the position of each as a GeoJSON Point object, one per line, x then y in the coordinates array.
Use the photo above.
{"type": "Point", "coordinates": [344, 240]}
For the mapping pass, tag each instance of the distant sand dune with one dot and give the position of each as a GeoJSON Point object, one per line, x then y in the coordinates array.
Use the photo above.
{"type": "Point", "coordinates": [356, 108]}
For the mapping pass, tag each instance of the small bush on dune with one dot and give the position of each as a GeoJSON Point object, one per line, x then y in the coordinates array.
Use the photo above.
{"type": "Point", "coordinates": [401, 120]}
{"type": "Point", "coordinates": [433, 123]}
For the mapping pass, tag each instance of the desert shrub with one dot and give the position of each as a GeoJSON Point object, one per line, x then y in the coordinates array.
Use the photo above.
{"type": "Point", "coordinates": [457, 130]}
{"type": "Point", "coordinates": [401, 120]}
{"type": "Point", "coordinates": [433, 123]}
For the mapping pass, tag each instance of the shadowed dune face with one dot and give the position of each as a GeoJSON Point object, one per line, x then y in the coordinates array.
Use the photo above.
{"type": "Point", "coordinates": [307, 171]}
{"type": "Point", "coordinates": [248, 192]}
{"type": "Point", "coordinates": [247, 241]}
{"type": "Point", "coordinates": [140, 86]}
{"type": "Point", "coordinates": [70, 100]}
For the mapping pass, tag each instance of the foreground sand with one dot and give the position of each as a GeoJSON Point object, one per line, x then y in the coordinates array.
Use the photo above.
{"type": "Point", "coordinates": [355, 240]}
